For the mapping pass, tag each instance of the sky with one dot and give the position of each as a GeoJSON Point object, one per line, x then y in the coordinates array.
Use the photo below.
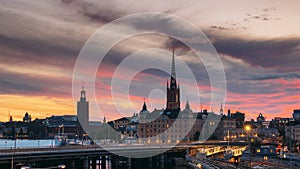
{"type": "Point", "coordinates": [258, 43]}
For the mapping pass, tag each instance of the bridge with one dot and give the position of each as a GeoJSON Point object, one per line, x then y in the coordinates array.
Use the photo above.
{"type": "Point", "coordinates": [93, 155]}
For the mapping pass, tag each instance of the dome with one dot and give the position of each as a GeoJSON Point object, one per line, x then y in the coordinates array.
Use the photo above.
{"type": "Point", "coordinates": [187, 108]}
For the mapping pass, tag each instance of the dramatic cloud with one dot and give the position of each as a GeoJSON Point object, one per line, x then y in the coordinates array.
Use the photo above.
{"type": "Point", "coordinates": [34, 51]}
{"type": "Point", "coordinates": [30, 85]}
{"type": "Point", "coordinates": [40, 42]}
{"type": "Point", "coordinates": [282, 53]}
{"type": "Point", "coordinates": [286, 76]}
{"type": "Point", "coordinates": [95, 10]}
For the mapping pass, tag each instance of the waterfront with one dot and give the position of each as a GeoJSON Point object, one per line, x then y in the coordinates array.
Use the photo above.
{"type": "Point", "coordinates": [44, 154]}
{"type": "Point", "coordinates": [95, 157]}
{"type": "Point", "coordinates": [122, 165]}
{"type": "Point", "coordinates": [11, 144]}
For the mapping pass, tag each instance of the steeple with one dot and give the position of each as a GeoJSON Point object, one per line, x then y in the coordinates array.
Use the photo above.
{"type": "Point", "coordinates": [173, 83]}
{"type": "Point", "coordinates": [173, 74]}
{"type": "Point", "coordinates": [173, 90]}
{"type": "Point", "coordinates": [82, 96]}
{"type": "Point", "coordinates": [221, 109]}
{"type": "Point", "coordinates": [187, 105]}
{"type": "Point", "coordinates": [144, 106]}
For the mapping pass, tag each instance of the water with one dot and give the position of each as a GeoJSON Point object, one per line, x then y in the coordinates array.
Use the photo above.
{"type": "Point", "coordinates": [109, 166]}
{"type": "Point", "coordinates": [154, 164]}
{"type": "Point", "coordinates": [9, 144]}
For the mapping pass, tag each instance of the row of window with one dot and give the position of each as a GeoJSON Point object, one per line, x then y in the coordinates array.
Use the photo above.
{"type": "Point", "coordinates": [166, 137]}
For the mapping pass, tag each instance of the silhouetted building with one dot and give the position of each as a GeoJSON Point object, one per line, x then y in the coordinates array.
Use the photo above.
{"type": "Point", "coordinates": [121, 122]}
{"type": "Point", "coordinates": [260, 119]}
{"type": "Point", "coordinates": [24, 130]}
{"type": "Point", "coordinates": [292, 130]}
{"type": "Point", "coordinates": [172, 124]}
{"type": "Point", "coordinates": [239, 117]}
{"type": "Point", "coordinates": [27, 118]}
{"type": "Point", "coordinates": [296, 115]}
{"type": "Point", "coordinates": [268, 135]}
{"type": "Point", "coordinates": [173, 92]}
{"type": "Point", "coordinates": [160, 127]}
{"type": "Point", "coordinates": [227, 129]}
{"type": "Point", "coordinates": [126, 126]}
{"type": "Point", "coordinates": [83, 109]}
{"type": "Point", "coordinates": [67, 124]}
{"type": "Point", "coordinates": [280, 124]}
{"type": "Point", "coordinates": [265, 150]}
{"type": "Point", "coordinates": [144, 112]}
{"type": "Point", "coordinates": [94, 129]}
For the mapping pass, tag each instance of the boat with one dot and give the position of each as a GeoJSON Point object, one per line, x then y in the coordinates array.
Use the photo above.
{"type": "Point", "coordinates": [74, 142]}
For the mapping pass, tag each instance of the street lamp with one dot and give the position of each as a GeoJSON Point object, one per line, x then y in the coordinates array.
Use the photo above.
{"type": "Point", "coordinates": [248, 129]}
{"type": "Point", "coordinates": [167, 134]}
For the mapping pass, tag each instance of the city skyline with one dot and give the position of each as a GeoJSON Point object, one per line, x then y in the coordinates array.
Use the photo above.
{"type": "Point", "coordinates": [258, 43]}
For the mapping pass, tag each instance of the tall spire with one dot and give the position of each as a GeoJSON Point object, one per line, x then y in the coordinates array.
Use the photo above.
{"type": "Point", "coordinates": [173, 92]}
{"type": "Point", "coordinates": [173, 66]}
{"type": "Point", "coordinates": [144, 106]}
{"type": "Point", "coordinates": [221, 109]}
{"type": "Point", "coordinates": [187, 105]}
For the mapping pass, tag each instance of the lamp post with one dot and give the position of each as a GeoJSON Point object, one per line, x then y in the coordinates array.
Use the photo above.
{"type": "Point", "coordinates": [248, 129]}
{"type": "Point", "coordinates": [167, 134]}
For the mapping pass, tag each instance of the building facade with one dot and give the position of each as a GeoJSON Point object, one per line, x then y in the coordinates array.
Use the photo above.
{"type": "Point", "coordinates": [293, 132]}
{"type": "Point", "coordinates": [296, 115]}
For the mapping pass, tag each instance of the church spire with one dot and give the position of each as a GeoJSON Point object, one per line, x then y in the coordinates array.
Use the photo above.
{"type": "Point", "coordinates": [173, 74]}
{"type": "Point", "coordinates": [221, 109]}
{"type": "Point", "coordinates": [173, 92]}
{"type": "Point", "coordinates": [187, 105]}
{"type": "Point", "coordinates": [144, 106]}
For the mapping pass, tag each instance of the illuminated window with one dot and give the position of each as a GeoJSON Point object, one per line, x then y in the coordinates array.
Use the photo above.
{"type": "Point", "coordinates": [258, 150]}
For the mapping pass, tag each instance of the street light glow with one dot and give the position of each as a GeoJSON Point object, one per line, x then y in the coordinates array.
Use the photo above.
{"type": "Point", "coordinates": [247, 127]}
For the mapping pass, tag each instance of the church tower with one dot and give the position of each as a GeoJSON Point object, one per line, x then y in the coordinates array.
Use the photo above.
{"type": "Point", "coordinates": [144, 112]}
{"type": "Point", "coordinates": [173, 91]}
{"type": "Point", "coordinates": [83, 109]}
